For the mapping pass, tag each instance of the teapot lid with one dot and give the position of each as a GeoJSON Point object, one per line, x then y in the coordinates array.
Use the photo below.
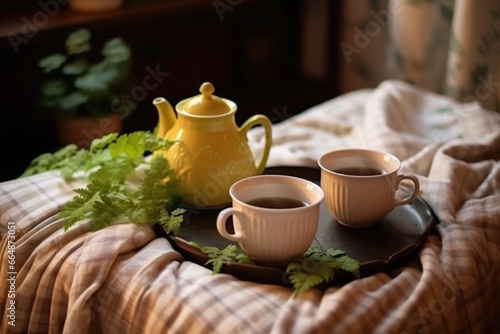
{"type": "Point", "coordinates": [206, 104]}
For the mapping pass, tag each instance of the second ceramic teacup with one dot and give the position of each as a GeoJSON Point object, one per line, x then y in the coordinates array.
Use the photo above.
{"type": "Point", "coordinates": [275, 217]}
{"type": "Point", "coordinates": [360, 185]}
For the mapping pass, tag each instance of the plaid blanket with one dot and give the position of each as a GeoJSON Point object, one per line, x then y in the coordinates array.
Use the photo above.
{"type": "Point", "coordinates": [124, 279]}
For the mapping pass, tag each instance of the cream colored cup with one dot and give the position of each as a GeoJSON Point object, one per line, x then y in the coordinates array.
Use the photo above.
{"type": "Point", "coordinates": [361, 201]}
{"type": "Point", "coordinates": [272, 235]}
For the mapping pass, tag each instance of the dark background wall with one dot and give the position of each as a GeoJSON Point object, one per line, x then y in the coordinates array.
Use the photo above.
{"type": "Point", "coordinates": [252, 51]}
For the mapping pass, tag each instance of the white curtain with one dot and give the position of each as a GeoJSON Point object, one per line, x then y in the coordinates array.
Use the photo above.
{"type": "Point", "coordinates": [450, 47]}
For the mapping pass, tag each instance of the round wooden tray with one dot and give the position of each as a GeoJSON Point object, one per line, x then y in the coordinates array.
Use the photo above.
{"type": "Point", "coordinates": [377, 248]}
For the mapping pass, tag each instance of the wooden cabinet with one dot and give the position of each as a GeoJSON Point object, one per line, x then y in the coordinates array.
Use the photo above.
{"type": "Point", "coordinates": [252, 51]}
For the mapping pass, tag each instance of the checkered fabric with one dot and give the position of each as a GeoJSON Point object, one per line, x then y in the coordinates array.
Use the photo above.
{"type": "Point", "coordinates": [124, 279]}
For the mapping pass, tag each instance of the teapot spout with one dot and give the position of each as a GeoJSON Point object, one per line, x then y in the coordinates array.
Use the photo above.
{"type": "Point", "coordinates": [166, 116]}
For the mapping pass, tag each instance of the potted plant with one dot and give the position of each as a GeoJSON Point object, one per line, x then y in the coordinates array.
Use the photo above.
{"type": "Point", "coordinates": [84, 93]}
{"type": "Point", "coordinates": [94, 5]}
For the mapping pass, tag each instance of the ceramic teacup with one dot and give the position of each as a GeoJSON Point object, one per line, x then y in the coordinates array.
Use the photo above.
{"type": "Point", "coordinates": [360, 185]}
{"type": "Point", "coordinates": [275, 217]}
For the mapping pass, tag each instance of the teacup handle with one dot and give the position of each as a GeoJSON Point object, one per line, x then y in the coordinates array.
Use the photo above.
{"type": "Point", "coordinates": [266, 123]}
{"type": "Point", "coordinates": [221, 224]}
{"type": "Point", "coordinates": [416, 186]}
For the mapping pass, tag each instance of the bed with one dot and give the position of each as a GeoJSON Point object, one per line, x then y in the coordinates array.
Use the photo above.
{"type": "Point", "coordinates": [127, 279]}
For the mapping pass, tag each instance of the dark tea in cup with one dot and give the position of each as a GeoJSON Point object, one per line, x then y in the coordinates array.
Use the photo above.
{"type": "Point", "coordinates": [360, 171]}
{"type": "Point", "coordinates": [277, 202]}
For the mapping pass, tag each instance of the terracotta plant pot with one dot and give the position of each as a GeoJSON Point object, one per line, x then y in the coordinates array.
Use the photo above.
{"type": "Point", "coordinates": [94, 5]}
{"type": "Point", "coordinates": [81, 131]}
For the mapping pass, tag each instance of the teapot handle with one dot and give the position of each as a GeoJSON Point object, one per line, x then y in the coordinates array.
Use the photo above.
{"type": "Point", "coordinates": [266, 123]}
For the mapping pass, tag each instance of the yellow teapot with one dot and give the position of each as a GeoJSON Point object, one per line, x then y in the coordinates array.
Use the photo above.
{"type": "Point", "coordinates": [210, 152]}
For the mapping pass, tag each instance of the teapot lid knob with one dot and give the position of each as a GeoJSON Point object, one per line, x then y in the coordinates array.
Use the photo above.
{"type": "Point", "coordinates": [206, 104]}
{"type": "Point", "coordinates": [206, 90]}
